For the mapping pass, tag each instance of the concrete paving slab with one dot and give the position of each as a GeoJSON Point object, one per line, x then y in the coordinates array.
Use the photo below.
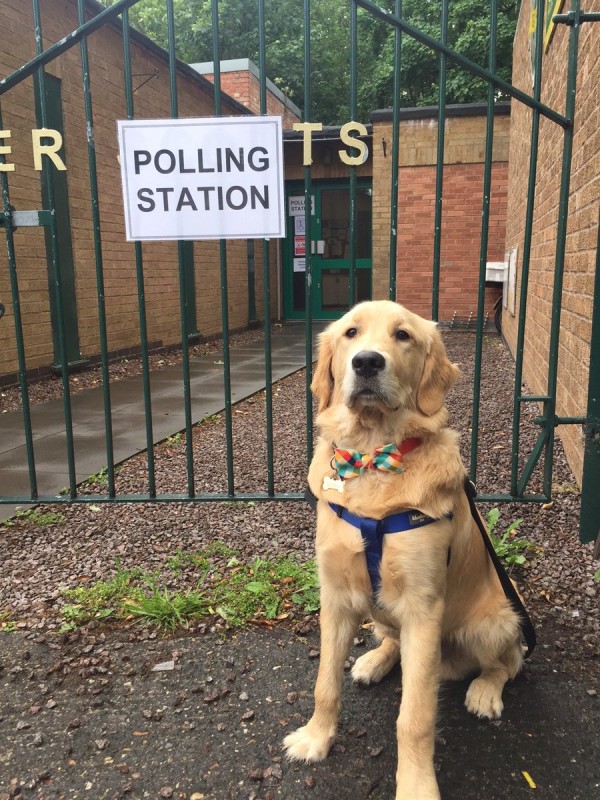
{"type": "Point", "coordinates": [128, 415]}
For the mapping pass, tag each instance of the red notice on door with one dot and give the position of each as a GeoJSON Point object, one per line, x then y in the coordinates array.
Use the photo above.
{"type": "Point", "coordinates": [299, 245]}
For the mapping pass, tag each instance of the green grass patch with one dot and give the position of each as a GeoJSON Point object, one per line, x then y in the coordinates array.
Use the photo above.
{"type": "Point", "coordinates": [264, 591]}
{"type": "Point", "coordinates": [509, 548]}
{"type": "Point", "coordinates": [37, 517]}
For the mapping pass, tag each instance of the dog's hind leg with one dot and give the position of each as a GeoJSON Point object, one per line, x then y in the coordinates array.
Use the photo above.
{"type": "Point", "coordinates": [498, 650]}
{"type": "Point", "coordinates": [338, 626]}
{"type": "Point", "coordinates": [374, 665]}
{"type": "Point", "coordinates": [484, 695]}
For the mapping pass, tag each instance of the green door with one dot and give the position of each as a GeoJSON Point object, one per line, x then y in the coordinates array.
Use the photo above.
{"type": "Point", "coordinates": [330, 234]}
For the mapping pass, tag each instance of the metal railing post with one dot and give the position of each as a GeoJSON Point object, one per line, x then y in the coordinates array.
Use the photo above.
{"type": "Point", "coordinates": [439, 168]}
{"type": "Point", "coordinates": [223, 268]}
{"type": "Point", "coordinates": [183, 296]}
{"type": "Point", "coordinates": [97, 231]}
{"type": "Point", "coordinates": [54, 254]}
{"type": "Point", "coordinates": [487, 189]}
{"type": "Point", "coordinates": [266, 271]}
{"type": "Point", "coordinates": [139, 274]}
{"type": "Point", "coordinates": [308, 240]}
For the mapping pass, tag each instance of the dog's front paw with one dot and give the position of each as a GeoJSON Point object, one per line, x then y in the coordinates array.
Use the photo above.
{"type": "Point", "coordinates": [484, 698]}
{"type": "Point", "coordinates": [306, 744]}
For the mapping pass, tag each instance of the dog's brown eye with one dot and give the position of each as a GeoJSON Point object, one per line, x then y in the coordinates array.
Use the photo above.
{"type": "Point", "coordinates": [402, 336]}
{"type": "Point", "coordinates": [351, 333]}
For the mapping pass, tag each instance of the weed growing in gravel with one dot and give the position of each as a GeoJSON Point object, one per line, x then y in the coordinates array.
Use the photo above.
{"type": "Point", "coordinates": [166, 609]}
{"type": "Point", "coordinates": [37, 517]}
{"type": "Point", "coordinates": [174, 439]}
{"type": "Point", "coordinates": [266, 589]}
{"type": "Point", "coordinates": [100, 477]}
{"type": "Point", "coordinates": [102, 599]}
{"type": "Point", "coordinates": [7, 624]}
{"type": "Point", "coordinates": [597, 576]}
{"type": "Point", "coordinates": [238, 593]}
{"type": "Point", "coordinates": [508, 548]}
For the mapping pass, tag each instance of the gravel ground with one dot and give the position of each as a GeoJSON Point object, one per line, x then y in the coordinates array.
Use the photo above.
{"type": "Point", "coordinates": [83, 714]}
{"type": "Point", "coordinates": [83, 548]}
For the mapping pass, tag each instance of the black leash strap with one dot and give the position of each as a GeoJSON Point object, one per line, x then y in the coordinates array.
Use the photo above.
{"type": "Point", "coordinates": [510, 592]}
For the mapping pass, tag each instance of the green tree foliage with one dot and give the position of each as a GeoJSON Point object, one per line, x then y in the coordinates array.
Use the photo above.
{"type": "Point", "coordinates": [468, 32]}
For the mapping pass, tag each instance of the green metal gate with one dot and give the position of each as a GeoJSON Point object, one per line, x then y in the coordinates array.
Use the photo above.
{"type": "Point", "coordinates": [517, 481]}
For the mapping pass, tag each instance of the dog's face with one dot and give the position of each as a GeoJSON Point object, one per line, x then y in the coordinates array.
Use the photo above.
{"type": "Point", "coordinates": [383, 356]}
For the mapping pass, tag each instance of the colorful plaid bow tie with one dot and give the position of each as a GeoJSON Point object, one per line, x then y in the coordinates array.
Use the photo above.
{"type": "Point", "coordinates": [388, 457]}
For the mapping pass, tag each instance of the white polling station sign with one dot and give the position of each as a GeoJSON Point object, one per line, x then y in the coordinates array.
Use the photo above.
{"type": "Point", "coordinates": [202, 178]}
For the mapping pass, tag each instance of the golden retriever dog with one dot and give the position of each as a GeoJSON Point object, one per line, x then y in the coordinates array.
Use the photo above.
{"type": "Point", "coordinates": [382, 377]}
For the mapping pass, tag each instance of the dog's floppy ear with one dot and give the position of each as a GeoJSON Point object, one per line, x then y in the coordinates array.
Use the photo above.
{"type": "Point", "coordinates": [322, 382]}
{"type": "Point", "coordinates": [439, 375]}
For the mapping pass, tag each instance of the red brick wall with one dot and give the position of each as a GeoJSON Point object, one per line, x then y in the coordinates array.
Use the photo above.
{"type": "Point", "coordinates": [461, 231]}
{"type": "Point", "coordinates": [464, 147]}
{"type": "Point", "coordinates": [244, 87]}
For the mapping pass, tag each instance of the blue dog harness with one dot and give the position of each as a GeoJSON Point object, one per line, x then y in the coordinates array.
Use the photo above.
{"type": "Point", "coordinates": [373, 531]}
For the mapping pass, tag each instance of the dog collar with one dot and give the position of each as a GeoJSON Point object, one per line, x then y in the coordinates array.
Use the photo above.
{"type": "Point", "coordinates": [388, 458]}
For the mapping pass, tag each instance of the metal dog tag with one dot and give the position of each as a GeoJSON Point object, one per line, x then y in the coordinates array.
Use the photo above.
{"type": "Point", "coordinates": [333, 483]}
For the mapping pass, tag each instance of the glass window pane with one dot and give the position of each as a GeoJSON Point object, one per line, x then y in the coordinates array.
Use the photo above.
{"type": "Point", "coordinates": [335, 223]}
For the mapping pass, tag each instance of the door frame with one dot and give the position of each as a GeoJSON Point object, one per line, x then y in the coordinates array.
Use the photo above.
{"type": "Point", "coordinates": [295, 187]}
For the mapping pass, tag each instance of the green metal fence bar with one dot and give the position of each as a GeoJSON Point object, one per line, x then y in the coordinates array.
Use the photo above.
{"type": "Point", "coordinates": [262, 62]}
{"type": "Point", "coordinates": [464, 62]}
{"type": "Point", "coordinates": [223, 268]}
{"type": "Point", "coordinates": [58, 289]}
{"type": "Point", "coordinates": [139, 274]}
{"type": "Point", "coordinates": [576, 18]}
{"type": "Point", "coordinates": [395, 179]}
{"type": "Point", "coordinates": [352, 169]}
{"type": "Point", "coordinates": [561, 237]}
{"type": "Point", "coordinates": [532, 461]}
{"type": "Point", "coordinates": [82, 499]}
{"type": "Point", "coordinates": [46, 56]}
{"type": "Point", "coordinates": [485, 223]}
{"type": "Point", "coordinates": [308, 240]}
{"type": "Point", "coordinates": [18, 324]}
{"type": "Point", "coordinates": [589, 529]}
{"type": "Point", "coordinates": [439, 168]}
{"type": "Point", "coordinates": [185, 348]}
{"type": "Point", "coordinates": [92, 168]}
{"type": "Point", "coordinates": [526, 260]}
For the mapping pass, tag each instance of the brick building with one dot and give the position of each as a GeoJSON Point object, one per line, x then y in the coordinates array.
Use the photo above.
{"type": "Point", "coordinates": [150, 72]}
{"type": "Point", "coordinates": [461, 218]}
{"type": "Point", "coordinates": [240, 79]}
{"type": "Point", "coordinates": [463, 176]}
{"type": "Point", "coordinates": [582, 222]}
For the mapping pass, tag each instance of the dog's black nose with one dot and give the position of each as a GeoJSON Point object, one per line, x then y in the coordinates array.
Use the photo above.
{"type": "Point", "coordinates": [368, 363]}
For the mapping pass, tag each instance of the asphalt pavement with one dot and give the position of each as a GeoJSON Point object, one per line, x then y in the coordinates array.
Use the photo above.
{"type": "Point", "coordinates": [90, 716]}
